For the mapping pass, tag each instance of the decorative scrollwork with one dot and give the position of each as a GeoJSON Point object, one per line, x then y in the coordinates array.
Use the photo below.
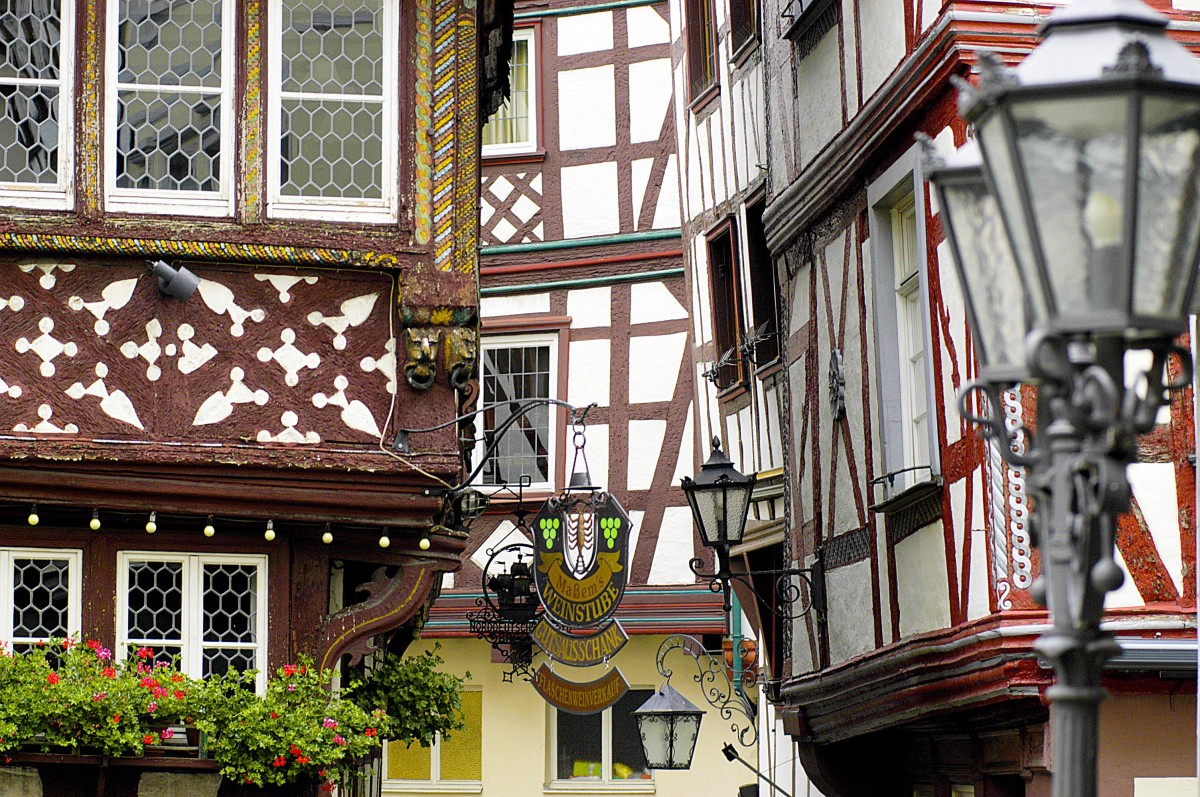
{"type": "Point", "coordinates": [719, 690]}
{"type": "Point", "coordinates": [792, 585]}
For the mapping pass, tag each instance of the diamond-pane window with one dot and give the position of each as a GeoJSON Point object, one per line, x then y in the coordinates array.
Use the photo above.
{"type": "Point", "coordinates": [33, 100]}
{"type": "Point", "coordinates": [207, 610]}
{"type": "Point", "coordinates": [333, 105]}
{"type": "Point", "coordinates": [170, 66]}
{"type": "Point", "coordinates": [515, 370]}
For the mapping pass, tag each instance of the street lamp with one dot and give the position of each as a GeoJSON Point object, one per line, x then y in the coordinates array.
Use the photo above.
{"type": "Point", "coordinates": [720, 500]}
{"type": "Point", "coordinates": [668, 723]}
{"type": "Point", "coordinates": [1091, 149]}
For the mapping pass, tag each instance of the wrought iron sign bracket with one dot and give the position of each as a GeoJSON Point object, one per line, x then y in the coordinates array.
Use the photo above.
{"type": "Point", "coordinates": [789, 596]}
{"type": "Point", "coordinates": [719, 690]}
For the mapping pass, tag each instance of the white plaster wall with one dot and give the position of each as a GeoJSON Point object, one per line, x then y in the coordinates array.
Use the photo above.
{"type": "Point", "coordinates": [666, 213]}
{"type": "Point", "coordinates": [587, 108]}
{"type": "Point", "coordinates": [585, 33]}
{"type": "Point", "coordinates": [801, 453]}
{"type": "Point", "coordinates": [654, 362]}
{"type": "Point", "coordinates": [597, 453]}
{"type": "Point", "coordinates": [686, 464]}
{"type": "Point", "coordinates": [921, 584]}
{"type": "Point", "coordinates": [646, 26]}
{"type": "Point", "coordinates": [853, 101]}
{"type": "Point", "coordinates": [645, 447]}
{"type": "Point", "coordinates": [650, 98]}
{"type": "Point", "coordinates": [588, 380]}
{"type": "Point", "coordinates": [589, 200]}
{"type": "Point", "coordinates": [882, 41]}
{"type": "Point", "coordinates": [851, 623]}
{"type": "Point", "coordinates": [715, 131]}
{"type": "Point", "coordinates": [590, 307]}
{"type": "Point", "coordinates": [521, 304]}
{"type": "Point", "coordinates": [652, 301]}
{"type": "Point", "coordinates": [675, 548]}
{"type": "Point", "coordinates": [1154, 487]}
{"type": "Point", "coordinates": [819, 105]}
{"type": "Point", "coordinates": [979, 598]}
{"type": "Point", "coordinates": [885, 581]}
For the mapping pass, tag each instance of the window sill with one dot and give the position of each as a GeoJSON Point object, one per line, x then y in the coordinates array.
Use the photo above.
{"type": "Point", "coordinates": [422, 787]}
{"type": "Point", "coordinates": [702, 101]}
{"type": "Point", "coordinates": [909, 496]}
{"type": "Point", "coordinates": [742, 54]}
{"type": "Point", "coordinates": [769, 369]}
{"type": "Point", "coordinates": [575, 788]}
{"type": "Point", "coordinates": [505, 158]}
{"type": "Point", "coordinates": [730, 392]}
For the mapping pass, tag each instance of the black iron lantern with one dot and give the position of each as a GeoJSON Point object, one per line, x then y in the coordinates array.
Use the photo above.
{"type": "Point", "coordinates": [720, 499]}
{"type": "Point", "coordinates": [1092, 146]}
{"type": "Point", "coordinates": [669, 725]}
{"type": "Point", "coordinates": [985, 265]}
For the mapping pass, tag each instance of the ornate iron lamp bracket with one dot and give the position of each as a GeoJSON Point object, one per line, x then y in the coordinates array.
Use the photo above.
{"type": "Point", "coordinates": [719, 690]}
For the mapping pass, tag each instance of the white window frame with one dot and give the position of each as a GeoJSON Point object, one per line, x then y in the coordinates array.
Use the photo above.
{"type": "Point", "coordinates": [435, 782]}
{"type": "Point", "coordinates": [60, 195]}
{"type": "Point", "coordinates": [74, 559]}
{"type": "Point", "coordinates": [490, 342]}
{"type": "Point", "coordinates": [192, 623]}
{"type": "Point", "coordinates": [378, 211]}
{"type": "Point", "coordinates": [158, 201]}
{"type": "Point", "coordinates": [607, 782]}
{"type": "Point", "coordinates": [529, 35]}
{"type": "Point", "coordinates": [901, 286]}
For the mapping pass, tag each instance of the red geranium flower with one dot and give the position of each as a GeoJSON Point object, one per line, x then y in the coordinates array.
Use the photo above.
{"type": "Point", "coordinates": [369, 732]}
{"type": "Point", "coordinates": [52, 678]}
{"type": "Point", "coordinates": [68, 643]}
{"type": "Point", "coordinates": [150, 738]}
{"type": "Point", "coordinates": [144, 652]}
{"type": "Point", "coordinates": [109, 672]}
{"type": "Point", "coordinates": [289, 670]}
{"type": "Point", "coordinates": [93, 643]}
{"type": "Point", "coordinates": [280, 761]}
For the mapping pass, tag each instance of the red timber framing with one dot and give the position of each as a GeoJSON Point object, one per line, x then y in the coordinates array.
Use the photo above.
{"type": "Point", "coordinates": [978, 672]}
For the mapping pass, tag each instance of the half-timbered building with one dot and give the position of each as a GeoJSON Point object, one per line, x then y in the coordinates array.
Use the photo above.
{"type": "Point", "coordinates": [916, 676]}
{"type": "Point", "coordinates": [583, 300]}
{"type": "Point", "coordinates": [237, 255]}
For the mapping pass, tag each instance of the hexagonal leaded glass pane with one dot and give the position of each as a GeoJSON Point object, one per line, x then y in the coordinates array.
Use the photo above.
{"type": "Point", "coordinates": [29, 130]}
{"type": "Point", "coordinates": [332, 148]}
{"type": "Point", "coordinates": [155, 601]}
{"type": "Point", "coordinates": [41, 598]}
{"type": "Point", "coordinates": [175, 43]}
{"type": "Point", "coordinates": [230, 603]}
{"type": "Point", "coordinates": [219, 661]}
{"type": "Point", "coordinates": [168, 141]}
{"type": "Point", "coordinates": [30, 91]}
{"type": "Point", "coordinates": [332, 47]}
{"type": "Point", "coordinates": [29, 39]}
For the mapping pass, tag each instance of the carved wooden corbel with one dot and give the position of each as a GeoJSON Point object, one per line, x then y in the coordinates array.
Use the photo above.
{"type": "Point", "coordinates": [420, 364]}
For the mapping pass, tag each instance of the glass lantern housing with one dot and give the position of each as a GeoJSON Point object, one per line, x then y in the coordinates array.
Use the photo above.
{"type": "Point", "coordinates": [1001, 308]}
{"type": "Point", "coordinates": [1092, 147]}
{"type": "Point", "coordinates": [720, 499]}
{"type": "Point", "coordinates": [669, 724]}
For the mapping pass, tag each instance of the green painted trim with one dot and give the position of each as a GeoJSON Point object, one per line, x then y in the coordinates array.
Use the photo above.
{"type": "Point", "coordinates": [564, 12]}
{"type": "Point", "coordinates": [585, 282]}
{"type": "Point", "coordinates": [579, 243]}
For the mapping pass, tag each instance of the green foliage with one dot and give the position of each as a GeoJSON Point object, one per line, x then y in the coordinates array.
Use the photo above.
{"type": "Point", "coordinates": [420, 700]}
{"type": "Point", "coordinates": [299, 730]}
{"type": "Point", "coordinates": [60, 694]}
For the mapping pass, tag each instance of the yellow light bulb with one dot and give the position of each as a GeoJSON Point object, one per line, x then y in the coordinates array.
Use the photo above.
{"type": "Point", "coordinates": [384, 541]}
{"type": "Point", "coordinates": [269, 534]}
{"type": "Point", "coordinates": [327, 538]}
{"type": "Point", "coordinates": [33, 516]}
{"type": "Point", "coordinates": [152, 523]}
{"type": "Point", "coordinates": [209, 530]}
{"type": "Point", "coordinates": [423, 544]}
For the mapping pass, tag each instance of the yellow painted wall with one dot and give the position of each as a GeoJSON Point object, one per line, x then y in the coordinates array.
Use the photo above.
{"type": "Point", "coordinates": [516, 728]}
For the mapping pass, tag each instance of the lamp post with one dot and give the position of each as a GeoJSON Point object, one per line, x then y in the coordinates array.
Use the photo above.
{"type": "Point", "coordinates": [720, 500]}
{"type": "Point", "coordinates": [1091, 161]}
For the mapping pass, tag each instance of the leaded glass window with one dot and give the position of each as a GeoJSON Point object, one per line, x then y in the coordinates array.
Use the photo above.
{"type": "Point", "coordinates": [35, 100]}
{"type": "Point", "coordinates": [514, 370]}
{"type": "Point", "coordinates": [170, 71]}
{"type": "Point", "coordinates": [45, 595]}
{"type": "Point", "coordinates": [334, 107]}
{"type": "Point", "coordinates": [209, 611]}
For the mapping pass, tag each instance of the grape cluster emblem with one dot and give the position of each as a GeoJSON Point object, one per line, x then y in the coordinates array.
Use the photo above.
{"type": "Point", "coordinates": [550, 527]}
{"type": "Point", "coordinates": [611, 526]}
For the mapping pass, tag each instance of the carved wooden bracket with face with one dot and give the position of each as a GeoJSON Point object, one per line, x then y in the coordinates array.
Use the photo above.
{"type": "Point", "coordinates": [462, 356]}
{"type": "Point", "coordinates": [420, 364]}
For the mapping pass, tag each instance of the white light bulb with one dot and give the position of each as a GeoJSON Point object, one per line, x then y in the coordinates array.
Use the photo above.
{"type": "Point", "coordinates": [327, 538]}
{"type": "Point", "coordinates": [384, 541]}
{"type": "Point", "coordinates": [152, 523]}
{"type": "Point", "coordinates": [269, 534]}
{"type": "Point", "coordinates": [209, 530]}
{"type": "Point", "coordinates": [94, 523]}
{"type": "Point", "coordinates": [33, 516]}
{"type": "Point", "coordinates": [423, 544]}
